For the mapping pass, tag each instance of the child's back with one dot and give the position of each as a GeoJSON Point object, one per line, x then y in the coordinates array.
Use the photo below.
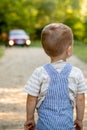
{"type": "Point", "coordinates": [55, 113]}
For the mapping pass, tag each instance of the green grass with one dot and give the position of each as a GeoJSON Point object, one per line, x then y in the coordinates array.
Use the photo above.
{"type": "Point", "coordinates": [80, 50]}
{"type": "Point", "coordinates": [1, 51]}
{"type": "Point", "coordinates": [36, 43]}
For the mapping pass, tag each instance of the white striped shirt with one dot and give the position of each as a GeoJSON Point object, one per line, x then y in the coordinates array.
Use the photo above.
{"type": "Point", "coordinates": [38, 83]}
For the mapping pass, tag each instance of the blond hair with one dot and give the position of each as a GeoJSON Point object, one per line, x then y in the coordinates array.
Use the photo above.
{"type": "Point", "coordinates": [55, 38]}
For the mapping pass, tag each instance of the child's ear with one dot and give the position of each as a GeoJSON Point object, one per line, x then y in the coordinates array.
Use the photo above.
{"type": "Point", "coordinates": [69, 50]}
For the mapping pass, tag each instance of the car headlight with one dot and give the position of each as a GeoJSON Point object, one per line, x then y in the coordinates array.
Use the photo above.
{"type": "Point", "coordinates": [28, 42]}
{"type": "Point", "coordinates": [11, 42]}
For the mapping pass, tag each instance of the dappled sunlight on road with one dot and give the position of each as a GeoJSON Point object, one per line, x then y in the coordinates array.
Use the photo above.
{"type": "Point", "coordinates": [12, 108]}
{"type": "Point", "coordinates": [13, 116]}
{"type": "Point", "coordinates": [11, 96]}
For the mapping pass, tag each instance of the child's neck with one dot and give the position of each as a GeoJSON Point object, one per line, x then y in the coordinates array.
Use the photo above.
{"type": "Point", "coordinates": [58, 58]}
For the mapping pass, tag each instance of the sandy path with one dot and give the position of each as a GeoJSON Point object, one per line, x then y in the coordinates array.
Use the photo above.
{"type": "Point", "coordinates": [15, 69]}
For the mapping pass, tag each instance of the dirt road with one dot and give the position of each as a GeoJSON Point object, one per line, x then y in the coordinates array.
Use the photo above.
{"type": "Point", "coordinates": [15, 69]}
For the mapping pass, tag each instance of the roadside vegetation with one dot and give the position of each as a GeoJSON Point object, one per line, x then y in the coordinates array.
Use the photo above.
{"type": "Point", "coordinates": [38, 13]}
{"type": "Point", "coordinates": [2, 50]}
{"type": "Point", "coordinates": [36, 43]}
{"type": "Point", "coordinates": [80, 50]}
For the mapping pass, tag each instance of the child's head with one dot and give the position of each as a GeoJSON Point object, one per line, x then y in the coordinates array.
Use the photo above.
{"type": "Point", "coordinates": [56, 38]}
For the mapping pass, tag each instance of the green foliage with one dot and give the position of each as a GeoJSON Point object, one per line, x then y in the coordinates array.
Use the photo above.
{"type": "Point", "coordinates": [33, 15]}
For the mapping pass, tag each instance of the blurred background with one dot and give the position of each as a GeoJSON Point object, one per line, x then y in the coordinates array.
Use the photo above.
{"type": "Point", "coordinates": [33, 15]}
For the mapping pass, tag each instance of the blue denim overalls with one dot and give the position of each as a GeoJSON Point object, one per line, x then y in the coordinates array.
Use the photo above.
{"type": "Point", "coordinates": [56, 112]}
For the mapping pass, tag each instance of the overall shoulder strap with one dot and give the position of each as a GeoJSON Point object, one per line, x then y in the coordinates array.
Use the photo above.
{"type": "Point", "coordinates": [50, 69]}
{"type": "Point", "coordinates": [66, 70]}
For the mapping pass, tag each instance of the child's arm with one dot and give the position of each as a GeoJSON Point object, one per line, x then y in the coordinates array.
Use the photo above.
{"type": "Point", "coordinates": [80, 106]}
{"type": "Point", "coordinates": [30, 109]}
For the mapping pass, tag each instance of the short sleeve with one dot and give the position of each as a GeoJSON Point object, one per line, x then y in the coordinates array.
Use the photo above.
{"type": "Point", "coordinates": [32, 87]}
{"type": "Point", "coordinates": [82, 86]}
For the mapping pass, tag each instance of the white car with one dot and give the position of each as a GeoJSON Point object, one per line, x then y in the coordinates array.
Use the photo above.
{"type": "Point", "coordinates": [18, 37]}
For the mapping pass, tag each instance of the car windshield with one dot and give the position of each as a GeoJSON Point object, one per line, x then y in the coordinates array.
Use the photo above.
{"type": "Point", "coordinates": [17, 32]}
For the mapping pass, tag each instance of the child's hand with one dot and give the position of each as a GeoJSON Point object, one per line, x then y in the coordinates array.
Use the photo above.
{"type": "Point", "coordinates": [29, 125]}
{"type": "Point", "coordinates": [78, 125]}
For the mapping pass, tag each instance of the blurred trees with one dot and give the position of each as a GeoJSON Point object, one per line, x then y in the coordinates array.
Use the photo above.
{"type": "Point", "coordinates": [33, 15]}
